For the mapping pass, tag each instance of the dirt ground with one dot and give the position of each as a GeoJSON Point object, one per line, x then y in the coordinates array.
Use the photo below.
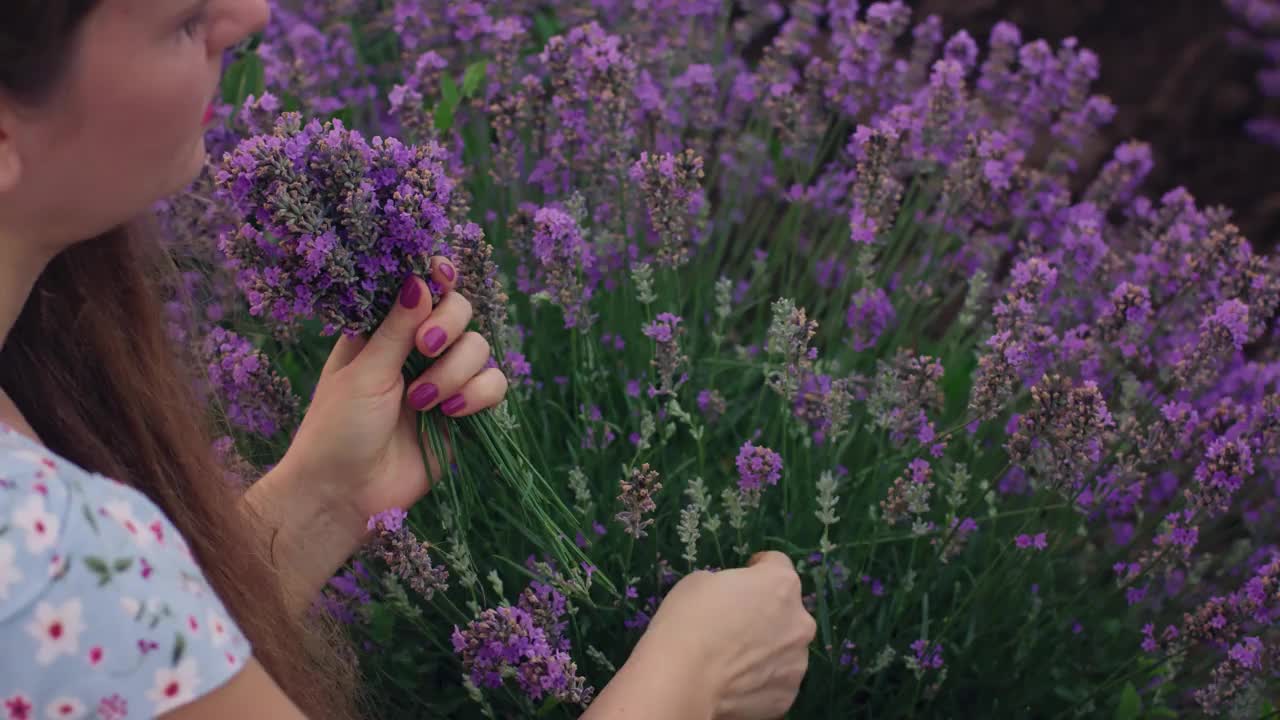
{"type": "Point", "coordinates": [1177, 83]}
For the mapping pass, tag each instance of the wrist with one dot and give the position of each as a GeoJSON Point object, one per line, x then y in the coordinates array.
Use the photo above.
{"type": "Point", "coordinates": [672, 676]}
{"type": "Point", "coordinates": [307, 533]}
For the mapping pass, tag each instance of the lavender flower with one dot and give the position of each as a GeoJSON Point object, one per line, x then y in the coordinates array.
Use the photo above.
{"type": "Point", "coordinates": [906, 390]}
{"type": "Point", "coordinates": [507, 642]}
{"type": "Point", "coordinates": [637, 501]}
{"type": "Point", "coordinates": [670, 185]}
{"type": "Point", "coordinates": [254, 396]}
{"type": "Point", "coordinates": [332, 224]}
{"type": "Point", "coordinates": [910, 493]}
{"type": "Point", "coordinates": [665, 331]}
{"type": "Point", "coordinates": [404, 554]}
{"type": "Point", "coordinates": [790, 333]}
{"type": "Point", "coordinates": [1223, 332]}
{"type": "Point", "coordinates": [870, 314]}
{"type": "Point", "coordinates": [1064, 432]}
{"type": "Point", "coordinates": [757, 467]}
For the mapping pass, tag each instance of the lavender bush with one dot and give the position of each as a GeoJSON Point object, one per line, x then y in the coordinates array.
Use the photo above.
{"type": "Point", "coordinates": [1261, 20]}
{"type": "Point", "coordinates": [812, 278]}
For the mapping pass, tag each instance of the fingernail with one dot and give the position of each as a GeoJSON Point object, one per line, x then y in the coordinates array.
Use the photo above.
{"type": "Point", "coordinates": [434, 340]}
{"type": "Point", "coordinates": [453, 405]}
{"type": "Point", "coordinates": [411, 293]}
{"type": "Point", "coordinates": [423, 395]}
{"type": "Point", "coordinates": [447, 270]}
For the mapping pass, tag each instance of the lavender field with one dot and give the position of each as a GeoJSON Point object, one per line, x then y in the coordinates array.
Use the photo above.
{"type": "Point", "coordinates": [824, 278]}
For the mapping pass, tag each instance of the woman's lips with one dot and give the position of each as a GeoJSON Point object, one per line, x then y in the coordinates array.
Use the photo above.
{"type": "Point", "coordinates": [208, 114]}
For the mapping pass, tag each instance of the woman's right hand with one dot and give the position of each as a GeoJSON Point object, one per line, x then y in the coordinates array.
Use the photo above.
{"type": "Point", "coordinates": [731, 645]}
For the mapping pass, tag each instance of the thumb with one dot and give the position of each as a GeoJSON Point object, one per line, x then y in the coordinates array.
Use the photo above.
{"type": "Point", "coordinates": [389, 346]}
{"type": "Point", "coordinates": [770, 557]}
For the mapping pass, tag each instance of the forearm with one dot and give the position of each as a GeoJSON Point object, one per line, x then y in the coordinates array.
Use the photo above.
{"type": "Point", "coordinates": [656, 682]}
{"type": "Point", "coordinates": [302, 533]}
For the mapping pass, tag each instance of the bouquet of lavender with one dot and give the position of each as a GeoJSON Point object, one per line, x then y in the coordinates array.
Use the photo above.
{"type": "Point", "coordinates": [329, 225]}
{"type": "Point", "coordinates": [807, 277]}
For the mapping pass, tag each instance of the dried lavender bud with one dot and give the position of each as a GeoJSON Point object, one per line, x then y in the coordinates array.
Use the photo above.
{"type": "Point", "coordinates": [666, 331]}
{"type": "Point", "coordinates": [790, 332]}
{"type": "Point", "coordinates": [672, 190]}
{"type": "Point", "coordinates": [909, 494]}
{"type": "Point", "coordinates": [405, 555]}
{"type": "Point", "coordinates": [637, 500]}
{"type": "Point", "coordinates": [906, 390]}
{"type": "Point", "coordinates": [1064, 433]}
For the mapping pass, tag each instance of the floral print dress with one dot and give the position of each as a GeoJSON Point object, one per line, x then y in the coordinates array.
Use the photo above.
{"type": "Point", "coordinates": [103, 611]}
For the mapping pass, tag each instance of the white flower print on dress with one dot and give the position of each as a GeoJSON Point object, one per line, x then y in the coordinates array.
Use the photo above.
{"type": "Point", "coordinates": [121, 512]}
{"type": "Point", "coordinates": [174, 686]}
{"type": "Point", "coordinates": [218, 629]}
{"type": "Point", "coordinates": [57, 630]}
{"type": "Point", "coordinates": [40, 525]}
{"type": "Point", "coordinates": [65, 708]}
{"type": "Point", "coordinates": [10, 575]}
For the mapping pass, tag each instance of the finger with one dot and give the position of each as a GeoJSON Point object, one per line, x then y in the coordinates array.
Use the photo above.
{"type": "Point", "coordinates": [344, 351]}
{"type": "Point", "coordinates": [445, 325]}
{"type": "Point", "coordinates": [447, 375]}
{"type": "Point", "coordinates": [445, 273]}
{"type": "Point", "coordinates": [391, 343]}
{"type": "Point", "coordinates": [480, 393]}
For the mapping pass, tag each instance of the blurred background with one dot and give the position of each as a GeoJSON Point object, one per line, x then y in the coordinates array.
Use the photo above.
{"type": "Point", "coordinates": [1185, 77]}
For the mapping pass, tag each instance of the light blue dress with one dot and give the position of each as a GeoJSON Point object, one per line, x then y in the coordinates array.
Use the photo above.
{"type": "Point", "coordinates": [104, 614]}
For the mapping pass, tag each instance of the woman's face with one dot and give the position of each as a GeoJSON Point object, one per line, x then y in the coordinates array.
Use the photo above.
{"type": "Point", "coordinates": [125, 125]}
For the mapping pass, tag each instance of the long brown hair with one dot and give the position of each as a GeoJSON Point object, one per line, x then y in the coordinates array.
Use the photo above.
{"type": "Point", "coordinates": [92, 369]}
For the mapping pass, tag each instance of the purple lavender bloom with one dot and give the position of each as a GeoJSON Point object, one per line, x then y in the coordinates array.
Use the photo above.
{"type": "Point", "coordinates": [757, 466]}
{"type": "Point", "coordinates": [254, 396]}
{"type": "Point", "coordinates": [870, 314]}
{"type": "Point", "coordinates": [508, 641]}
{"type": "Point", "coordinates": [565, 264]}
{"type": "Point", "coordinates": [332, 223]}
{"type": "Point", "coordinates": [927, 657]}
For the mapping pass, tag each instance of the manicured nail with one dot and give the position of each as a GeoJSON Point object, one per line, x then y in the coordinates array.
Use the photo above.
{"type": "Point", "coordinates": [447, 270]}
{"type": "Point", "coordinates": [411, 293]}
{"type": "Point", "coordinates": [434, 340]}
{"type": "Point", "coordinates": [453, 405]}
{"type": "Point", "coordinates": [423, 395]}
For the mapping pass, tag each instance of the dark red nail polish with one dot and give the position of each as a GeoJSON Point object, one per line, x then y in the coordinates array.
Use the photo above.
{"type": "Point", "coordinates": [434, 340]}
{"type": "Point", "coordinates": [423, 395]}
{"type": "Point", "coordinates": [411, 293]}
{"type": "Point", "coordinates": [453, 405]}
{"type": "Point", "coordinates": [447, 270]}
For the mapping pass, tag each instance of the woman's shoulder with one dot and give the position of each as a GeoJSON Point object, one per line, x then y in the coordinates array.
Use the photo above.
{"type": "Point", "coordinates": [103, 608]}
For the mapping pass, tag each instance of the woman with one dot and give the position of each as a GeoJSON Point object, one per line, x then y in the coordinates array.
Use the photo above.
{"type": "Point", "coordinates": [162, 592]}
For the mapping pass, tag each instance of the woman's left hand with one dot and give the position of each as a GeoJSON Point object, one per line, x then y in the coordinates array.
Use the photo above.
{"type": "Point", "coordinates": [358, 443]}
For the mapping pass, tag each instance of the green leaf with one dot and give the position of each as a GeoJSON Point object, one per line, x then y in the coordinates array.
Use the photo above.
{"type": "Point", "coordinates": [382, 623]}
{"type": "Point", "coordinates": [449, 91]}
{"type": "Point", "coordinates": [97, 565]}
{"type": "Point", "coordinates": [1130, 704]}
{"type": "Point", "coordinates": [545, 27]}
{"type": "Point", "coordinates": [243, 78]}
{"type": "Point", "coordinates": [473, 77]}
{"type": "Point", "coordinates": [122, 564]}
{"type": "Point", "coordinates": [88, 516]}
{"type": "Point", "coordinates": [444, 117]}
{"type": "Point", "coordinates": [179, 647]}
